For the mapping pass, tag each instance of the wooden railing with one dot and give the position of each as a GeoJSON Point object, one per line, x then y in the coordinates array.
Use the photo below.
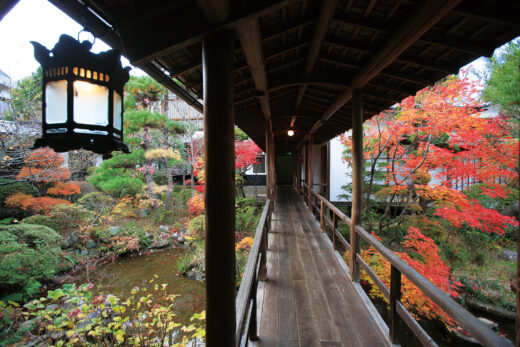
{"type": "Point", "coordinates": [486, 336]}
{"type": "Point", "coordinates": [256, 269]}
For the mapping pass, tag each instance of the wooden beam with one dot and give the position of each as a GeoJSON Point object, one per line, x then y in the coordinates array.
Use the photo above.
{"type": "Point", "coordinates": [328, 7]}
{"type": "Point", "coordinates": [219, 197]}
{"type": "Point", "coordinates": [357, 181]}
{"type": "Point", "coordinates": [250, 38]}
{"type": "Point", "coordinates": [190, 27]}
{"type": "Point", "coordinates": [426, 15]}
{"type": "Point", "coordinates": [215, 11]}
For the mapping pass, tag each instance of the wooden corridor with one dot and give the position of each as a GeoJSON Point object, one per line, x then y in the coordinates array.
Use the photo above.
{"type": "Point", "coordinates": [308, 298]}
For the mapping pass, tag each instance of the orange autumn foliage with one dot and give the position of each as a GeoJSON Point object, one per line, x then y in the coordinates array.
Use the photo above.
{"type": "Point", "coordinates": [423, 255]}
{"type": "Point", "coordinates": [64, 189]}
{"type": "Point", "coordinates": [34, 205]}
{"type": "Point", "coordinates": [44, 166]}
{"type": "Point", "coordinates": [196, 204]}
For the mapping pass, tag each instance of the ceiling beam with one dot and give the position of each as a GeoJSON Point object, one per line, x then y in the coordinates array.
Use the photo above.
{"type": "Point", "coordinates": [6, 6]}
{"type": "Point", "coordinates": [190, 27]}
{"type": "Point", "coordinates": [423, 18]}
{"type": "Point", "coordinates": [328, 8]}
{"type": "Point", "coordinates": [251, 40]}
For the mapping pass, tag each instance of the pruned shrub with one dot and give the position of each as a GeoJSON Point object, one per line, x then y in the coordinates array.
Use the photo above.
{"type": "Point", "coordinates": [9, 187]}
{"type": "Point", "coordinates": [28, 253]}
{"type": "Point", "coordinates": [64, 189]}
{"type": "Point", "coordinates": [39, 219]}
{"type": "Point", "coordinates": [33, 205]}
{"type": "Point", "coordinates": [71, 216]}
{"type": "Point", "coordinates": [98, 202]}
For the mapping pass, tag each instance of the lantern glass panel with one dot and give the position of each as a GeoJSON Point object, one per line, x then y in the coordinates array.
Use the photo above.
{"type": "Point", "coordinates": [56, 102]}
{"type": "Point", "coordinates": [118, 107]}
{"type": "Point", "coordinates": [90, 103]}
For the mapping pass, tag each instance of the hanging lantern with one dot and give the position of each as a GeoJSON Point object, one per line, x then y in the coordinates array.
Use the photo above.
{"type": "Point", "coordinates": [82, 97]}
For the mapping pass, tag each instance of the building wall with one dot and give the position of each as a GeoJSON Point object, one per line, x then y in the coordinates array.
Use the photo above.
{"type": "Point", "coordinates": [339, 170]}
{"type": "Point", "coordinates": [316, 167]}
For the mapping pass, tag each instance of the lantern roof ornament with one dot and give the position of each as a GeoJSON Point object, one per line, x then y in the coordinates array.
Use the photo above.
{"type": "Point", "coordinates": [82, 97]}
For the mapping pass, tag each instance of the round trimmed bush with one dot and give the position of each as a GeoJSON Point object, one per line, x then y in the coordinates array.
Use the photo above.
{"type": "Point", "coordinates": [28, 253]}
{"type": "Point", "coordinates": [40, 219]}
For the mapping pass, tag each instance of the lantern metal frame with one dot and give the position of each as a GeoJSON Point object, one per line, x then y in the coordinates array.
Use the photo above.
{"type": "Point", "coordinates": [72, 61]}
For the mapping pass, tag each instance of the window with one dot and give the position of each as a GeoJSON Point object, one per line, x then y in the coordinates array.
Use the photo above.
{"type": "Point", "coordinates": [260, 166]}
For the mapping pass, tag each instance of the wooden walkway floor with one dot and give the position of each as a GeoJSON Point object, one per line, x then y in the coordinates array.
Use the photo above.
{"type": "Point", "coordinates": [308, 298]}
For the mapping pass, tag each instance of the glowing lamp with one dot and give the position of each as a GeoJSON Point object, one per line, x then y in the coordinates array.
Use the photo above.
{"type": "Point", "coordinates": [82, 97]}
{"type": "Point", "coordinates": [290, 132]}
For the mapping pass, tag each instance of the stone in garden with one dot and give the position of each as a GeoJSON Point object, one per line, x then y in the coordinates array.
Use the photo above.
{"type": "Point", "coordinates": [113, 231]}
{"type": "Point", "coordinates": [181, 239]}
{"type": "Point", "coordinates": [72, 240]}
{"type": "Point", "coordinates": [84, 252]}
{"type": "Point", "coordinates": [164, 228]}
{"type": "Point", "coordinates": [175, 236]}
{"type": "Point", "coordinates": [508, 255]}
{"type": "Point", "coordinates": [142, 213]}
{"type": "Point", "coordinates": [91, 244]}
{"type": "Point", "coordinates": [162, 243]}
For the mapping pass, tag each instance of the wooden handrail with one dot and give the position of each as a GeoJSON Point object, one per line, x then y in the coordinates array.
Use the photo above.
{"type": "Point", "coordinates": [399, 267]}
{"type": "Point", "coordinates": [255, 269]}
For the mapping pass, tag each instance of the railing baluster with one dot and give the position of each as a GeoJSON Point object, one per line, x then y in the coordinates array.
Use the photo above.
{"type": "Point", "coordinates": [262, 275]}
{"type": "Point", "coordinates": [395, 297]}
{"type": "Point", "coordinates": [334, 226]}
{"type": "Point", "coordinates": [322, 212]}
{"type": "Point", "coordinates": [253, 334]}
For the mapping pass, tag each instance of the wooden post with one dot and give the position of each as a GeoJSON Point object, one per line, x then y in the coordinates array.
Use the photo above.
{"type": "Point", "coordinates": [334, 227]}
{"type": "Point", "coordinates": [357, 181]}
{"type": "Point", "coordinates": [219, 143]}
{"type": "Point", "coordinates": [309, 175]}
{"type": "Point", "coordinates": [395, 297]}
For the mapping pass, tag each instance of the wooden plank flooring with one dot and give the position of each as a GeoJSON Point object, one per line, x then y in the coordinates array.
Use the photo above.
{"type": "Point", "coordinates": [308, 298]}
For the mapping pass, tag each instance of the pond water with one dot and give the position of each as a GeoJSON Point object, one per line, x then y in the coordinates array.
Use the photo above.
{"type": "Point", "coordinates": [123, 274]}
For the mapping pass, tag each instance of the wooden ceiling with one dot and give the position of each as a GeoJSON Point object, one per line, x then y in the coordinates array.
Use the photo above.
{"type": "Point", "coordinates": [297, 62]}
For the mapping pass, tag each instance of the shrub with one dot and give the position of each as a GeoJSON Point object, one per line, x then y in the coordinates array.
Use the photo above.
{"type": "Point", "coordinates": [196, 204]}
{"type": "Point", "coordinates": [197, 227]}
{"type": "Point", "coordinates": [30, 204]}
{"type": "Point", "coordinates": [143, 318]}
{"type": "Point", "coordinates": [39, 219]}
{"type": "Point", "coordinates": [98, 202]}
{"type": "Point", "coordinates": [71, 216]}
{"type": "Point", "coordinates": [9, 187]}
{"type": "Point", "coordinates": [64, 189]}
{"type": "Point", "coordinates": [85, 187]}
{"type": "Point", "coordinates": [28, 253]}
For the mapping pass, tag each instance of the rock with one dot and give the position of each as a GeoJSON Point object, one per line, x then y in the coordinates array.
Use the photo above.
{"type": "Point", "coordinates": [72, 240]}
{"type": "Point", "coordinates": [175, 236]}
{"type": "Point", "coordinates": [160, 244]}
{"type": "Point", "coordinates": [91, 244]}
{"type": "Point", "coordinates": [164, 228]}
{"type": "Point", "coordinates": [84, 252]}
{"type": "Point", "coordinates": [142, 213]}
{"type": "Point", "coordinates": [181, 239]}
{"type": "Point", "coordinates": [508, 255]}
{"type": "Point", "coordinates": [113, 231]}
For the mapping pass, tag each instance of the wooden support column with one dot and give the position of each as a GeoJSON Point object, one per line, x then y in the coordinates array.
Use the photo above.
{"type": "Point", "coordinates": [357, 181]}
{"type": "Point", "coordinates": [298, 170]}
{"type": "Point", "coordinates": [267, 161]}
{"type": "Point", "coordinates": [309, 174]}
{"type": "Point", "coordinates": [219, 146]}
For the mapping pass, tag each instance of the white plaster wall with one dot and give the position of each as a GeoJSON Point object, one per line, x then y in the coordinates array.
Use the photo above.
{"type": "Point", "coordinates": [340, 172]}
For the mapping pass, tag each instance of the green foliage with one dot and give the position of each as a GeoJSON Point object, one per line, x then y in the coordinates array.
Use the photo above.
{"type": "Point", "coordinates": [489, 291]}
{"type": "Point", "coordinates": [197, 227]}
{"type": "Point", "coordinates": [247, 214]}
{"type": "Point", "coordinates": [142, 91]}
{"type": "Point", "coordinates": [71, 316]}
{"type": "Point", "coordinates": [28, 253]}
{"type": "Point", "coordinates": [240, 135]}
{"type": "Point", "coordinates": [67, 217]}
{"type": "Point", "coordinates": [497, 203]}
{"type": "Point", "coordinates": [97, 202]}
{"type": "Point", "coordinates": [136, 120]}
{"type": "Point", "coordinates": [504, 82]}
{"type": "Point", "coordinates": [26, 98]}
{"type": "Point", "coordinates": [7, 221]}
{"type": "Point", "coordinates": [40, 219]}
{"type": "Point", "coordinates": [173, 207]}
{"type": "Point", "coordinates": [116, 177]}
